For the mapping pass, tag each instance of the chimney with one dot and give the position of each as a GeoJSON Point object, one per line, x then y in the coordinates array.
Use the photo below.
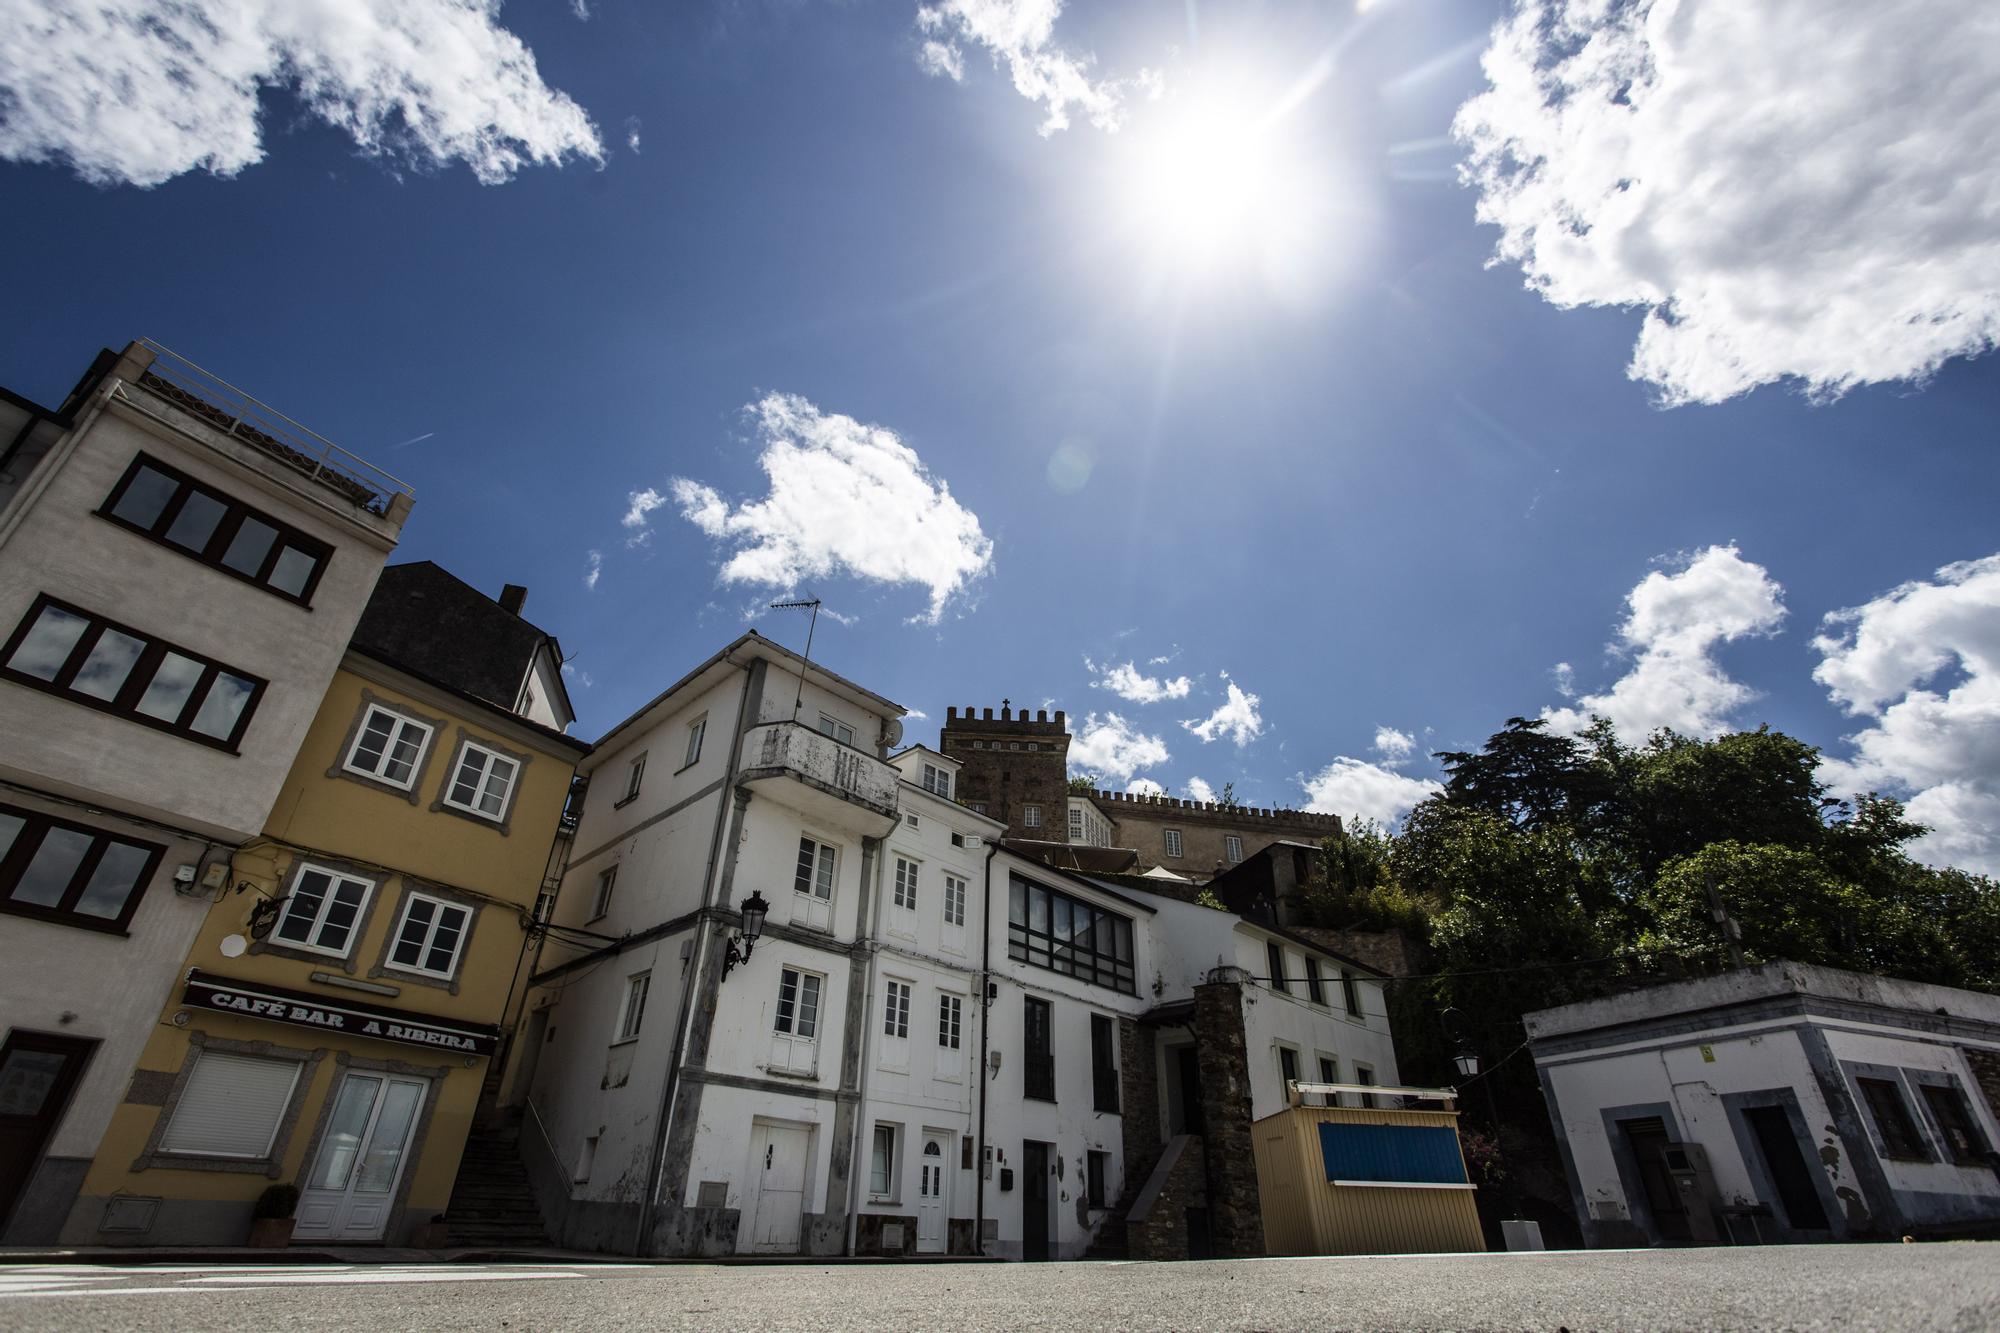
{"type": "Point", "coordinates": [512, 598]}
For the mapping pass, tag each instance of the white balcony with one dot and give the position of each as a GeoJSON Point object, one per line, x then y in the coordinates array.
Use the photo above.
{"type": "Point", "coordinates": [836, 784]}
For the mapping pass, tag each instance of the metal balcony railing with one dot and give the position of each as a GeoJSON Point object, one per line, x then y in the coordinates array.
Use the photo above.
{"type": "Point", "coordinates": [175, 380]}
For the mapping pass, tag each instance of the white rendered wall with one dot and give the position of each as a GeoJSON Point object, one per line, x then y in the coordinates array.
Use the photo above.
{"type": "Point", "coordinates": [1903, 1052]}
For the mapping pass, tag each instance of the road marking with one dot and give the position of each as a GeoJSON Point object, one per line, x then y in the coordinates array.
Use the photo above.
{"type": "Point", "coordinates": [355, 1279]}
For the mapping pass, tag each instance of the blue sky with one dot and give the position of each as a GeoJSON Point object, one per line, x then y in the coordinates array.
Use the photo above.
{"type": "Point", "coordinates": [1218, 372]}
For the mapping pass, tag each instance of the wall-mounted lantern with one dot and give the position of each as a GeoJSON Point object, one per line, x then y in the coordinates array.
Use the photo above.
{"type": "Point", "coordinates": [755, 909]}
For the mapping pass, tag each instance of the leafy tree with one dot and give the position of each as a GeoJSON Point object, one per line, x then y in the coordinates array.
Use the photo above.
{"type": "Point", "coordinates": [1083, 784]}
{"type": "Point", "coordinates": [1227, 800]}
{"type": "Point", "coordinates": [1526, 775]}
{"type": "Point", "coordinates": [1678, 795]}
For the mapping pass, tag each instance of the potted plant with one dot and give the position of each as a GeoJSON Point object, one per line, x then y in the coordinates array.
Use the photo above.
{"type": "Point", "coordinates": [271, 1220]}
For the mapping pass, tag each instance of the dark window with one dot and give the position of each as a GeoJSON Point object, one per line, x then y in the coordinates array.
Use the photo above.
{"type": "Point", "coordinates": [1350, 991]}
{"type": "Point", "coordinates": [1288, 1068]}
{"type": "Point", "coordinates": [1103, 1065]}
{"type": "Point", "coordinates": [1892, 1120]}
{"type": "Point", "coordinates": [1364, 1075]}
{"type": "Point", "coordinates": [1039, 1061]}
{"type": "Point", "coordinates": [1067, 935]}
{"type": "Point", "coordinates": [72, 873]}
{"type": "Point", "coordinates": [1274, 956]}
{"type": "Point", "coordinates": [68, 651]}
{"type": "Point", "coordinates": [1315, 987]}
{"type": "Point", "coordinates": [1954, 1121]}
{"type": "Point", "coordinates": [175, 510]}
{"type": "Point", "coordinates": [1099, 1166]}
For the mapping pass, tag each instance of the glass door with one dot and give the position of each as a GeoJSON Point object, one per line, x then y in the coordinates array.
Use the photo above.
{"type": "Point", "coordinates": [350, 1192]}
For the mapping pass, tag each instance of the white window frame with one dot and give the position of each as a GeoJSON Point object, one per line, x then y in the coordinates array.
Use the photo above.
{"type": "Point", "coordinates": [904, 893]}
{"type": "Point", "coordinates": [896, 998]}
{"type": "Point", "coordinates": [1232, 848]}
{"type": "Point", "coordinates": [884, 1143]}
{"type": "Point", "coordinates": [937, 781]}
{"type": "Point", "coordinates": [830, 725]}
{"type": "Point", "coordinates": [1075, 824]}
{"type": "Point", "coordinates": [787, 1043]}
{"type": "Point", "coordinates": [402, 722]}
{"type": "Point", "coordinates": [443, 905]}
{"type": "Point", "coordinates": [954, 901]}
{"type": "Point", "coordinates": [1171, 840]}
{"type": "Point", "coordinates": [915, 824]}
{"type": "Point", "coordinates": [697, 733]}
{"type": "Point", "coordinates": [951, 1021]}
{"type": "Point", "coordinates": [635, 778]}
{"type": "Point", "coordinates": [488, 758]}
{"type": "Point", "coordinates": [1031, 816]}
{"type": "Point", "coordinates": [632, 1009]}
{"type": "Point", "coordinates": [607, 884]}
{"type": "Point", "coordinates": [336, 878]}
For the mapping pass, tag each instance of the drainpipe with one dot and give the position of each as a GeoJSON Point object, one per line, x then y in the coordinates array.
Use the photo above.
{"type": "Point", "coordinates": [867, 1050]}
{"type": "Point", "coordinates": [724, 799]}
{"type": "Point", "coordinates": [985, 1015]}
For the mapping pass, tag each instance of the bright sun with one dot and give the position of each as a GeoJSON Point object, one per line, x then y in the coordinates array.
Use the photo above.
{"type": "Point", "coordinates": [1220, 177]}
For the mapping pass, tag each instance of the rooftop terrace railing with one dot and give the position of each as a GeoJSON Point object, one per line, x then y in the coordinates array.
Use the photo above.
{"type": "Point", "coordinates": [180, 382]}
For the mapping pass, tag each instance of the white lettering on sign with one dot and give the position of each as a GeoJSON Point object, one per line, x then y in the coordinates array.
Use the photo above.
{"type": "Point", "coordinates": [310, 1015]}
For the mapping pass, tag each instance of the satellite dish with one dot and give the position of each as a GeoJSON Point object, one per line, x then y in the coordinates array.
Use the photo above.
{"type": "Point", "coordinates": [233, 946]}
{"type": "Point", "coordinates": [892, 733]}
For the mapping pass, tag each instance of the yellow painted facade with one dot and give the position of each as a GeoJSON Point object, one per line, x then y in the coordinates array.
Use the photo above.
{"type": "Point", "coordinates": [400, 843]}
{"type": "Point", "coordinates": [1305, 1213]}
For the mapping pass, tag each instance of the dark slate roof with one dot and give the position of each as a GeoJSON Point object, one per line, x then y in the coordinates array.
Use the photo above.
{"type": "Point", "coordinates": [441, 628]}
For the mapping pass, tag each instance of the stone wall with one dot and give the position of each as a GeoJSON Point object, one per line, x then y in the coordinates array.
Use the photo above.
{"type": "Point", "coordinates": [869, 1238]}
{"type": "Point", "coordinates": [1163, 1232]}
{"type": "Point", "coordinates": [1139, 1091]}
{"type": "Point", "coordinates": [1142, 823]}
{"type": "Point", "coordinates": [1011, 762]}
{"type": "Point", "coordinates": [1235, 1212]}
{"type": "Point", "coordinates": [1986, 1072]}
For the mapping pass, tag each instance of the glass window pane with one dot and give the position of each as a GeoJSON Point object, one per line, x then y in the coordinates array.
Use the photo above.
{"type": "Point", "coordinates": [49, 644]}
{"type": "Point", "coordinates": [403, 757]}
{"type": "Point", "coordinates": [823, 885]}
{"type": "Point", "coordinates": [384, 1158]}
{"type": "Point", "coordinates": [444, 942]}
{"type": "Point", "coordinates": [53, 867]}
{"type": "Point", "coordinates": [302, 908]}
{"type": "Point", "coordinates": [10, 829]}
{"type": "Point", "coordinates": [224, 705]}
{"type": "Point", "coordinates": [111, 658]}
{"type": "Point", "coordinates": [114, 881]}
{"type": "Point", "coordinates": [197, 521]}
{"type": "Point", "coordinates": [788, 990]}
{"type": "Point", "coordinates": [172, 685]}
{"type": "Point", "coordinates": [338, 922]}
{"type": "Point", "coordinates": [146, 497]}
{"type": "Point", "coordinates": [293, 571]}
{"type": "Point", "coordinates": [373, 741]}
{"type": "Point", "coordinates": [249, 546]}
{"type": "Point", "coordinates": [465, 786]}
{"type": "Point", "coordinates": [344, 1128]}
{"type": "Point", "coordinates": [808, 1005]}
{"type": "Point", "coordinates": [499, 778]}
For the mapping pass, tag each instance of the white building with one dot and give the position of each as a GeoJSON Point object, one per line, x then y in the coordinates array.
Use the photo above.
{"type": "Point", "coordinates": [180, 570]}
{"type": "Point", "coordinates": [1781, 1102]}
{"type": "Point", "coordinates": [937, 1045]}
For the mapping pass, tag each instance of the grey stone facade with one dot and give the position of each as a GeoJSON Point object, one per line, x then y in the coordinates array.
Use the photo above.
{"type": "Point", "coordinates": [1009, 763]}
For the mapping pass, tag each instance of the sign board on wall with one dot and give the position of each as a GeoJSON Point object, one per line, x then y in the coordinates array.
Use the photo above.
{"type": "Point", "coordinates": [350, 1018]}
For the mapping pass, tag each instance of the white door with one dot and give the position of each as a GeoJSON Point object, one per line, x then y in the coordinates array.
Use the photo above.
{"type": "Point", "coordinates": [779, 1165]}
{"type": "Point", "coordinates": [351, 1190]}
{"type": "Point", "coordinates": [933, 1195]}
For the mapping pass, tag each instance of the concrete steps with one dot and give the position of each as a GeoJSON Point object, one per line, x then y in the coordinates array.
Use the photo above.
{"type": "Point", "coordinates": [492, 1203]}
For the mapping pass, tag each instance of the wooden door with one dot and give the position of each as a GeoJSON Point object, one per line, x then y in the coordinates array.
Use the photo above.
{"type": "Point", "coordinates": [1034, 1200]}
{"type": "Point", "coordinates": [779, 1163]}
{"type": "Point", "coordinates": [38, 1071]}
{"type": "Point", "coordinates": [350, 1192]}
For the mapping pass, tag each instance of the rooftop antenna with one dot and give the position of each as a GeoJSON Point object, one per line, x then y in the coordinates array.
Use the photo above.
{"type": "Point", "coordinates": [802, 604]}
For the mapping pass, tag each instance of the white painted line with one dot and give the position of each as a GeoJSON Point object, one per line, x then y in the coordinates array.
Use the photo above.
{"type": "Point", "coordinates": [357, 1279]}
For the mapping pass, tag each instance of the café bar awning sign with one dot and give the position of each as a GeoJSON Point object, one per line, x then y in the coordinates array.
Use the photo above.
{"type": "Point", "coordinates": [351, 1018]}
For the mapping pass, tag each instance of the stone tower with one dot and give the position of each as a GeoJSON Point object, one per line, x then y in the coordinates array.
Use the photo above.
{"type": "Point", "coordinates": [1015, 768]}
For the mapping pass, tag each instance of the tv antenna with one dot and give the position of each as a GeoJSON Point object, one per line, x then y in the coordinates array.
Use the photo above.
{"type": "Point", "coordinates": [801, 604]}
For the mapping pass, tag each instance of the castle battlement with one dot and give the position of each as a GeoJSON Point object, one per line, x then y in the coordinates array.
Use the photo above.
{"type": "Point", "coordinates": [1015, 720]}
{"type": "Point", "coordinates": [1121, 803]}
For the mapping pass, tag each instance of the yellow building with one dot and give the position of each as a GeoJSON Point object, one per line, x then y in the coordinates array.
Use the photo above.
{"type": "Point", "coordinates": [1362, 1179]}
{"type": "Point", "coordinates": [343, 998]}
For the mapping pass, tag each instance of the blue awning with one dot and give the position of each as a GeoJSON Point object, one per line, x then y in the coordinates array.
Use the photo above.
{"type": "Point", "coordinates": [1391, 1154]}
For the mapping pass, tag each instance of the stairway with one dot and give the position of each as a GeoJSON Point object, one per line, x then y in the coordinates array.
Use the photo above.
{"type": "Point", "coordinates": [1110, 1240]}
{"type": "Point", "coordinates": [492, 1203]}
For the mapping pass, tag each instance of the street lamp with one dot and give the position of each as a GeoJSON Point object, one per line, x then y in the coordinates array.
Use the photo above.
{"type": "Point", "coordinates": [1466, 1061]}
{"type": "Point", "coordinates": [755, 909]}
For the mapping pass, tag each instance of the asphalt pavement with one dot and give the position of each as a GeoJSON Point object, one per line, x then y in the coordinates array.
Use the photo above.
{"type": "Point", "coordinates": [1942, 1286]}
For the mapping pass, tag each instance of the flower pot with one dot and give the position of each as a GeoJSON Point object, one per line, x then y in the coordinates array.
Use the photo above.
{"type": "Point", "coordinates": [271, 1233]}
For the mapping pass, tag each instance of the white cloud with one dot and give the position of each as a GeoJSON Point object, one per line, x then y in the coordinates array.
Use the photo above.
{"type": "Point", "coordinates": [1394, 745]}
{"type": "Point", "coordinates": [1237, 718]}
{"type": "Point", "coordinates": [1112, 748]}
{"type": "Point", "coordinates": [845, 497]}
{"type": "Point", "coordinates": [1354, 788]}
{"type": "Point", "coordinates": [1199, 790]}
{"type": "Point", "coordinates": [916, 715]}
{"type": "Point", "coordinates": [1128, 682]}
{"type": "Point", "coordinates": [595, 570]}
{"type": "Point", "coordinates": [1564, 676]}
{"type": "Point", "coordinates": [1789, 189]}
{"type": "Point", "coordinates": [1676, 623]}
{"type": "Point", "coordinates": [1022, 33]}
{"type": "Point", "coordinates": [580, 8]}
{"type": "Point", "coordinates": [639, 504]}
{"type": "Point", "coordinates": [136, 93]}
{"type": "Point", "coordinates": [1144, 787]}
{"type": "Point", "coordinates": [632, 128]}
{"type": "Point", "coordinates": [1922, 664]}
